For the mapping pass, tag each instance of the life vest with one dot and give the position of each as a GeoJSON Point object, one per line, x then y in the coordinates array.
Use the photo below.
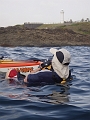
{"type": "Point", "coordinates": [45, 76]}
{"type": "Point", "coordinates": [63, 81]}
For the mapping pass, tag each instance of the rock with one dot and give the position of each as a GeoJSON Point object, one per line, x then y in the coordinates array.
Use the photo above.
{"type": "Point", "coordinates": [16, 36]}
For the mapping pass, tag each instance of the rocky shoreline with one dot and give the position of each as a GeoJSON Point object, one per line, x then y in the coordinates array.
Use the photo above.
{"type": "Point", "coordinates": [16, 36]}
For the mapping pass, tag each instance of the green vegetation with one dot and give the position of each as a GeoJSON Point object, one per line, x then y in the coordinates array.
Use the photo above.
{"type": "Point", "coordinates": [82, 28]}
{"type": "Point", "coordinates": [48, 26]}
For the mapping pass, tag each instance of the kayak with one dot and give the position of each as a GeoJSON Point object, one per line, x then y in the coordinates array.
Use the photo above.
{"type": "Point", "coordinates": [23, 66]}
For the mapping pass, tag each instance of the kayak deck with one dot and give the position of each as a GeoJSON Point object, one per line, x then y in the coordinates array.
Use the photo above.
{"type": "Point", "coordinates": [22, 66]}
{"type": "Point", "coordinates": [19, 63]}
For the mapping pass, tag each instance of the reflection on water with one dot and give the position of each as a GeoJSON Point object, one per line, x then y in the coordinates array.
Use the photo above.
{"type": "Point", "coordinates": [55, 94]}
{"type": "Point", "coordinates": [59, 96]}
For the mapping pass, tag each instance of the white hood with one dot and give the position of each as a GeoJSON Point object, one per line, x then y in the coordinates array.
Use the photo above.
{"type": "Point", "coordinates": [60, 58]}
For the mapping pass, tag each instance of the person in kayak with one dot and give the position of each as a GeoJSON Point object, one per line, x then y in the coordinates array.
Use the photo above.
{"type": "Point", "coordinates": [58, 71]}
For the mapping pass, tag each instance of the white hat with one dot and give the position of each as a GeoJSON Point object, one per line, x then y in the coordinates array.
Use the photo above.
{"type": "Point", "coordinates": [60, 62]}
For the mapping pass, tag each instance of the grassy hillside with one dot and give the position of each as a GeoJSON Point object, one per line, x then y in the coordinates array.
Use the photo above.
{"type": "Point", "coordinates": [83, 28]}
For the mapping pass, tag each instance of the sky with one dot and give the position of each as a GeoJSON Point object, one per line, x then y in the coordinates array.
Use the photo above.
{"type": "Point", "coordinates": [17, 12]}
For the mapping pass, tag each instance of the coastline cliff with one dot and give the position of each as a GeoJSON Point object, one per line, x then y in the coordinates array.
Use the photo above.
{"type": "Point", "coordinates": [52, 36]}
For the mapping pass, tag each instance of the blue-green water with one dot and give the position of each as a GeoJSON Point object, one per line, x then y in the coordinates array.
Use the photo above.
{"type": "Point", "coordinates": [50, 102]}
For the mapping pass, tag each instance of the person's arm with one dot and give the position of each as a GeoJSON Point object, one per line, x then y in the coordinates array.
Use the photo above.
{"type": "Point", "coordinates": [45, 64]}
{"type": "Point", "coordinates": [36, 70]}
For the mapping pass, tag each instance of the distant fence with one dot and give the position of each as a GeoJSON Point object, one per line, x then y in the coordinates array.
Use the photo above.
{"type": "Point", "coordinates": [32, 25]}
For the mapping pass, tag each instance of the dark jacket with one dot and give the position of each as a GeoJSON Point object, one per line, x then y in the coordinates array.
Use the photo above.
{"type": "Point", "coordinates": [42, 78]}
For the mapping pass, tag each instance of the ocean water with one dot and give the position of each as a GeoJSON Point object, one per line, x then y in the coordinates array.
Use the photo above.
{"type": "Point", "coordinates": [50, 102]}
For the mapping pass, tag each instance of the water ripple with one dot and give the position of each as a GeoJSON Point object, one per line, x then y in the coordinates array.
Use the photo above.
{"type": "Point", "coordinates": [50, 102]}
